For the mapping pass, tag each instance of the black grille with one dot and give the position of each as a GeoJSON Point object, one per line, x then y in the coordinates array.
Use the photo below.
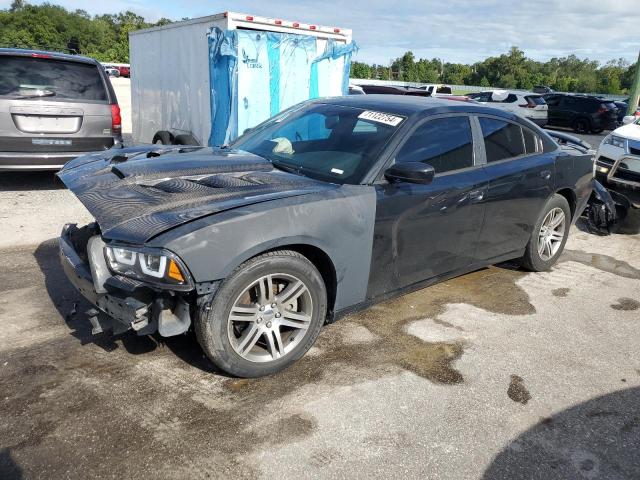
{"type": "Point", "coordinates": [605, 161]}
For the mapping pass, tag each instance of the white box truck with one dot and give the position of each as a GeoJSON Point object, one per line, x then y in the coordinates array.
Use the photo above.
{"type": "Point", "coordinates": [205, 81]}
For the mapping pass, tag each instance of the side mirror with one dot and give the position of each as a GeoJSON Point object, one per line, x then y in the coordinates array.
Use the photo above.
{"type": "Point", "coordinates": [412, 172]}
{"type": "Point", "coordinates": [628, 119]}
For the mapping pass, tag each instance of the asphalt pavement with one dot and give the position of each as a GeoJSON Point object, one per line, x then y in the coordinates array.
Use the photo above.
{"type": "Point", "coordinates": [499, 374]}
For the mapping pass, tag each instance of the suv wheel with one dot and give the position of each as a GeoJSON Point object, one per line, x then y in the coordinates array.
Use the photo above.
{"type": "Point", "coordinates": [265, 315]}
{"type": "Point", "coordinates": [581, 125]}
{"type": "Point", "coordinates": [549, 235]}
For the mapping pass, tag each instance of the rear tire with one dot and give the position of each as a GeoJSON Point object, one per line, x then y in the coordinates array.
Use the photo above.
{"type": "Point", "coordinates": [581, 125]}
{"type": "Point", "coordinates": [265, 315]}
{"type": "Point", "coordinates": [549, 235]}
{"type": "Point", "coordinates": [597, 130]}
{"type": "Point", "coordinates": [185, 139]}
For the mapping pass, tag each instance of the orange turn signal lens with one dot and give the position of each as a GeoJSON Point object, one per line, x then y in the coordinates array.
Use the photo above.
{"type": "Point", "coordinates": [174, 271]}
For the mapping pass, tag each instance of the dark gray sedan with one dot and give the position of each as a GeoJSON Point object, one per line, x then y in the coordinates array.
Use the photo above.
{"type": "Point", "coordinates": [325, 209]}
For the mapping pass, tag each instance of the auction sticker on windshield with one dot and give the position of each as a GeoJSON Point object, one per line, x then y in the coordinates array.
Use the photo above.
{"type": "Point", "coordinates": [380, 117]}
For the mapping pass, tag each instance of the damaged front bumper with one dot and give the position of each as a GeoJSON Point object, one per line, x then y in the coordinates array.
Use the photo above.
{"type": "Point", "coordinates": [122, 303]}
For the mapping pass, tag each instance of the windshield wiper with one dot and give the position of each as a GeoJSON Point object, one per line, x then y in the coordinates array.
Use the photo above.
{"type": "Point", "coordinates": [286, 168]}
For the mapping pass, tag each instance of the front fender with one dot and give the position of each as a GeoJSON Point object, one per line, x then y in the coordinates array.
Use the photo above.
{"type": "Point", "coordinates": [339, 222]}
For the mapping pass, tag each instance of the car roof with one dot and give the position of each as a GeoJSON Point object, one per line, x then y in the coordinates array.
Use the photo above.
{"type": "Point", "coordinates": [409, 105]}
{"type": "Point", "coordinates": [54, 55]}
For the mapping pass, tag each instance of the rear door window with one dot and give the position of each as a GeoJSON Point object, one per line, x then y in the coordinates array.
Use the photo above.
{"type": "Point", "coordinates": [570, 102]}
{"type": "Point", "coordinates": [502, 139]}
{"type": "Point", "coordinates": [444, 143]}
{"type": "Point", "coordinates": [29, 77]}
{"type": "Point", "coordinates": [553, 101]}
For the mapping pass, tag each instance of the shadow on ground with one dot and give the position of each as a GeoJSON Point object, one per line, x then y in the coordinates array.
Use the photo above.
{"type": "Point", "coordinates": [27, 181]}
{"type": "Point", "coordinates": [599, 438]}
{"type": "Point", "coordinates": [9, 469]}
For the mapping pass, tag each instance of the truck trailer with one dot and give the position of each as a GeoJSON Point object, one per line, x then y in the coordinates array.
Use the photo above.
{"type": "Point", "coordinates": [207, 80]}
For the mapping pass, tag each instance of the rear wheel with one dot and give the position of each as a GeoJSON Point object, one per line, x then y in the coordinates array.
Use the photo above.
{"type": "Point", "coordinates": [581, 125]}
{"type": "Point", "coordinates": [597, 130]}
{"type": "Point", "coordinates": [184, 139]}
{"type": "Point", "coordinates": [265, 315]}
{"type": "Point", "coordinates": [549, 235]}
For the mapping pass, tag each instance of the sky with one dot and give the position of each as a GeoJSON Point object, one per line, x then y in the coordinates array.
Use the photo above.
{"type": "Point", "coordinates": [463, 31]}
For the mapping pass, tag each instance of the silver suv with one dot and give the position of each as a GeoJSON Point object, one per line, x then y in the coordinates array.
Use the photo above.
{"type": "Point", "coordinates": [53, 108]}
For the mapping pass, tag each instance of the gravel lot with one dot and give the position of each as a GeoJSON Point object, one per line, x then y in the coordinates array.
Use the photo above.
{"type": "Point", "coordinates": [499, 374]}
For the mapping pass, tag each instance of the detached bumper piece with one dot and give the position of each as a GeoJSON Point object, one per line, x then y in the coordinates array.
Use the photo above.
{"type": "Point", "coordinates": [122, 303]}
{"type": "Point", "coordinates": [600, 211]}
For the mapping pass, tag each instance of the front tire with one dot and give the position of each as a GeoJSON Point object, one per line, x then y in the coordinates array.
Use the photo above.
{"type": "Point", "coordinates": [265, 315]}
{"type": "Point", "coordinates": [549, 235]}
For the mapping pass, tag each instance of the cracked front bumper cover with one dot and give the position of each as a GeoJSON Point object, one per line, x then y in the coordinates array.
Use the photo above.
{"type": "Point", "coordinates": [129, 311]}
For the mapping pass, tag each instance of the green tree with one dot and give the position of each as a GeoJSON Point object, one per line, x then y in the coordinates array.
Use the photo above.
{"type": "Point", "coordinates": [51, 27]}
{"type": "Point", "coordinates": [360, 70]}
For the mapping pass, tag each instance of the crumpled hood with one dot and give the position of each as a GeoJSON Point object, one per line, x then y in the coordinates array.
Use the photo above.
{"type": "Point", "coordinates": [137, 193]}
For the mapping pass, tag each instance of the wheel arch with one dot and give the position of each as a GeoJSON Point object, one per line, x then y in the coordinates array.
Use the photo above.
{"type": "Point", "coordinates": [571, 198]}
{"type": "Point", "coordinates": [306, 247]}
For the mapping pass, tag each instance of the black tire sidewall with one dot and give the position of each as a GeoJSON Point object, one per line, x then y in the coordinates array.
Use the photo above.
{"type": "Point", "coordinates": [211, 326]}
{"type": "Point", "coordinates": [532, 259]}
{"type": "Point", "coordinates": [165, 138]}
{"type": "Point", "coordinates": [581, 122]}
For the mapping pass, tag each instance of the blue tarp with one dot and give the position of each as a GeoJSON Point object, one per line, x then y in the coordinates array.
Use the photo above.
{"type": "Point", "coordinates": [254, 75]}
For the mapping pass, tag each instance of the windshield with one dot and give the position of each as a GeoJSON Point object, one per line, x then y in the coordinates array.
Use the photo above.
{"type": "Point", "coordinates": [28, 77]}
{"type": "Point", "coordinates": [332, 143]}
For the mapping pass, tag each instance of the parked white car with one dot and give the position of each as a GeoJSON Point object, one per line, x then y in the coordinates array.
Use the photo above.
{"type": "Point", "coordinates": [621, 148]}
{"type": "Point", "coordinates": [524, 104]}
{"type": "Point", "coordinates": [436, 90]}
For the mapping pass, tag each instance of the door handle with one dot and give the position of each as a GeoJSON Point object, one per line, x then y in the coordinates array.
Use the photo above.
{"type": "Point", "coordinates": [545, 174]}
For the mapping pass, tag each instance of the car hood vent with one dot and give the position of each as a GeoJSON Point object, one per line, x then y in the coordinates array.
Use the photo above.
{"type": "Point", "coordinates": [136, 200]}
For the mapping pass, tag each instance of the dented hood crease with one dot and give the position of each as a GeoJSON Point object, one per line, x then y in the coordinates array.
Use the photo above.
{"type": "Point", "coordinates": [137, 193]}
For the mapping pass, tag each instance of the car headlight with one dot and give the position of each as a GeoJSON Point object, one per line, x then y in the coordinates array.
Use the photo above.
{"type": "Point", "coordinates": [158, 267]}
{"type": "Point", "coordinates": [615, 141]}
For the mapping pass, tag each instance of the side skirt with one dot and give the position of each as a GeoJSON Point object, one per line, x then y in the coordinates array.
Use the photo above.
{"type": "Point", "coordinates": [422, 284]}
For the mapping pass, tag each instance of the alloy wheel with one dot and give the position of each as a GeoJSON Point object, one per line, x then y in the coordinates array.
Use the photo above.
{"type": "Point", "coordinates": [551, 233]}
{"type": "Point", "coordinates": [270, 317]}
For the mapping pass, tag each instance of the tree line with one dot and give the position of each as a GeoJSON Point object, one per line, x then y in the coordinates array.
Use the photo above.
{"type": "Point", "coordinates": [51, 27]}
{"type": "Point", "coordinates": [509, 70]}
{"type": "Point", "coordinates": [105, 38]}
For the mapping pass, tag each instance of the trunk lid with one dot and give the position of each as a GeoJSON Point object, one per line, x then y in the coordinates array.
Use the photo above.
{"type": "Point", "coordinates": [137, 193]}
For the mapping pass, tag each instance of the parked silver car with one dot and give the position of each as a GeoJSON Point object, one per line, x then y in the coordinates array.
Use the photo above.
{"type": "Point", "coordinates": [53, 108]}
